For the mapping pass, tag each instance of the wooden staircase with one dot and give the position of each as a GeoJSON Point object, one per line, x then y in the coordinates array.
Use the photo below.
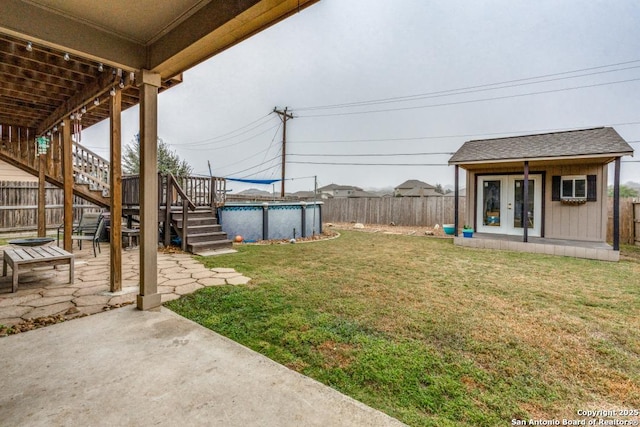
{"type": "Point", "coordinates": [204, 234]}
{"type": "Point", "coordinates": [90, 171]}
{"type": "Point", "coordinates": [91, 182]}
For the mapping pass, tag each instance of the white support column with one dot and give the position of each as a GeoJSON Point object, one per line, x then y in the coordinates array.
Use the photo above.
{"type": "Point", "coordinates": [148, 83]}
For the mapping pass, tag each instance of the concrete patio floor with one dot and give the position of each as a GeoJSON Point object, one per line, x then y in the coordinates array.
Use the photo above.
{"type": "Point", "coordinates": [127, 367]}
{"type": "Point", "coordinates": [44, 291]}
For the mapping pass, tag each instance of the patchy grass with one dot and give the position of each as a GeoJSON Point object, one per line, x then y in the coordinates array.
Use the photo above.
{"type": "Point", "coordinates": [434, 334]}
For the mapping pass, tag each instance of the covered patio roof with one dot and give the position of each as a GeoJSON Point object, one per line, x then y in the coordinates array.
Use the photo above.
{"type": "Point", "coordinates": [62, 61]}
{"type": "Point", "coordinates": [43, 84]}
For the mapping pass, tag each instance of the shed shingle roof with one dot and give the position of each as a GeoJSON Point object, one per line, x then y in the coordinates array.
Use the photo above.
{"type": "Point", "coordinates": [576, 143]}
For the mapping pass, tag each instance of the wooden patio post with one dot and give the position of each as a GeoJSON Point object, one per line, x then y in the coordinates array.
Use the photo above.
{"type": "Point", "coordinates": [456, 193]}
{"type": "Point", "coordinates": [148, 83]}
{"type": "Point", "coordinates": [115, 192]}
{"type": "Point", "coordinates": [67, 172]}
{"type": "Point", "coordinates": [616, 205]}
{"type": "Point", "coordinates": [525, 203]}
{"type": "Point", "coordinates": [42, 217]}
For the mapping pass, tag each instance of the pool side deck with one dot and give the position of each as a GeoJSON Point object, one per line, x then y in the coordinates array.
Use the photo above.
{"type": "Point", "coordinates": [570, 248]}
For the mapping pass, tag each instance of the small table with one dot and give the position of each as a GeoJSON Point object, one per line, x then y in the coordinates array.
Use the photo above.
{"type": "Point", "coordinates": [45, 255]}
{"type": "Point", "coordinates": [132, 234]}
{"type": "Point", "coordinates": [32, 241]}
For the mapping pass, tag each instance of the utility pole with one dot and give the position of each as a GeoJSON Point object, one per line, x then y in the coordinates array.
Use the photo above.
{"type": "Point", "coordinates": [284, 116]}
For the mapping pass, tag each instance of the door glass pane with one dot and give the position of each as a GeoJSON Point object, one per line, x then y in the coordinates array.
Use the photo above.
{"type": "Point", "coordinates": [491, 203]}
{"type": "Point", "coordinates": [520, 214]}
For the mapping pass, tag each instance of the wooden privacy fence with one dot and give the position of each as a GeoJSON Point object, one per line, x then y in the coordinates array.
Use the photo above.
{"type": "Point", "coordinates": [428, 211]}
{"type": "Point", "coordinates": [19, 206]}
{"type": "Point", "coordinates": [629, 221]}
{"type": "Point", "coordinates": [418, 211]}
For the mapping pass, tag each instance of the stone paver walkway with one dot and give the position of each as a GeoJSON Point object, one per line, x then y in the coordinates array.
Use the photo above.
{"type": "Point", "coordinates": [43, 292]}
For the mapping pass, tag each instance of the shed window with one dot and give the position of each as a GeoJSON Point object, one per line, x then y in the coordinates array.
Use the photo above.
{"type": "Point", "coordinates": [576, 188]}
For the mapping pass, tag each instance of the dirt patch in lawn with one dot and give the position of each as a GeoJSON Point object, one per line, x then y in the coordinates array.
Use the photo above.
{"type": "Point", "coordinates": [406, 230]}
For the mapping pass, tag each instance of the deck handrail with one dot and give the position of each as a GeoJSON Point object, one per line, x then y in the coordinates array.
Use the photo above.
{"type": "Point", "coordinates": [90, 168]}
{"type": "Point", "coordinates": [175, 184]}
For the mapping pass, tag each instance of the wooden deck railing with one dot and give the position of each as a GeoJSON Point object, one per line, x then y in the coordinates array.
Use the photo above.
{"type": "Point", "coordinates": [90, 168]}
{"type": "Point", "coordinates": [200, 191]}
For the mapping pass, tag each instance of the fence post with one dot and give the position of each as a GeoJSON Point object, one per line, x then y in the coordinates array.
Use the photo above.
{"type": "Point", "coordinates": [265, 221]}
{"type": "Point", "coordinates": [303, 219]}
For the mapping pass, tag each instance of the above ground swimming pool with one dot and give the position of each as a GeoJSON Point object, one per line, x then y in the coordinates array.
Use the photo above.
{"type": "Point", "coordinates": [271, 220]}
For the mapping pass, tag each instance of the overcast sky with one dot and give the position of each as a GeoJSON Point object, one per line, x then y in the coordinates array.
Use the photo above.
{"type": "Point", "coordinates": [407, 54]}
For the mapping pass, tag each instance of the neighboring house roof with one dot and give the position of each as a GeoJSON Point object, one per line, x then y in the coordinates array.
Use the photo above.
{"type": "Point", "coordinates": [254, 192]}
{"type": "Point", "coordinates": [461, 192]}
{"type": "Point", "coordinates": [413, 183]}
{"type": "Point", "coordinates": [332, 187]}
{"type": "Point", "coordinates": [361, 193]}
{"type": "Point", "coordinates": [420, 192]}
{"type": "Point", "coordinates": [304, 194]}
{"type": "Point", "coordinates": [595, 142]}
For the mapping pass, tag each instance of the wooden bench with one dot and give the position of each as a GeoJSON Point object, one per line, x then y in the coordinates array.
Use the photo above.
{"type": "Point", "coordinates": [43, 255]}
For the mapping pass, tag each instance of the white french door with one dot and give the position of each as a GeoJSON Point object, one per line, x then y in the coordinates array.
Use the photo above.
{"type": "Point", "coordinates": [501, 207]}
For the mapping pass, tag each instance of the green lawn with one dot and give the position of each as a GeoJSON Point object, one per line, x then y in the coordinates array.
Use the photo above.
{"type": "Point", "coordinates": [434, 334]}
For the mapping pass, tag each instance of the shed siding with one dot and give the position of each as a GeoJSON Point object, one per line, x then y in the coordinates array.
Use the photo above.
{"type": "Point", "coordinates": [577, 222]}
{"type": "Point", "coordinates": [586, 222]}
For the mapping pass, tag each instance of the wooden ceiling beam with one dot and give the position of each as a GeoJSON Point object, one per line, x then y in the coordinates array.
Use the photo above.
{"type": "Point", "coordinates": [30, 107]}
{"type": "Point", "coordinates": [35, 75]}
{"type": "Point", "coordinates": [18, 83]}
{"type": "Point", "coordinates": [98, 87]}
{"type": "Point", "coordinates": [44, 59]}
{"type": "Point", "coordinates": [32, 95]}
{"type": "Point", "coordinates": [41, 26]}
{"type": "Point", "coordinates": [10, 120]}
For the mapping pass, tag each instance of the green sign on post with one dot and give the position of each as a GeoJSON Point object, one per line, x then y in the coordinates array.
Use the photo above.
{"type": "Point", "coordinates": [43, 144]}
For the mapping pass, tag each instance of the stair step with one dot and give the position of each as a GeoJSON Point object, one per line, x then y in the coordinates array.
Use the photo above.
{"type": "Point", "coordinates": [205, 246]}
{"type": "Point", "coordinates": [196, 222]}
{"type": "Point", "coordinates": [206, 237]}
{"type": "Point", "coordinates": [199, 229]}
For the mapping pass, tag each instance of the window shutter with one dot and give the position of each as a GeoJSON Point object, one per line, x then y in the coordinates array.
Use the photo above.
{"type": "Point", "coordinates": [555, 188]}
{"type": "Point", "coordinates": [592, 189]}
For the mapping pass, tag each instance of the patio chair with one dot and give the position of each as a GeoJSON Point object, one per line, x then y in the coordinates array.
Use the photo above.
{"type": "Point", "coordinates": [87, 225]}
{"type": "Point", "coordinates": [93, 237]}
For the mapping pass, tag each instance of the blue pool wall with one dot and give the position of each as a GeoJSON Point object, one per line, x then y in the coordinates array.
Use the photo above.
{"type": "Point", "coordinates": [271, 221]}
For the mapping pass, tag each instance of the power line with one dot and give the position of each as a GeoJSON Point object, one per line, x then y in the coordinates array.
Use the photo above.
{"type": "Point", "coordinates": [371, 154]}
{"type": "Point", "coordinates": [449, 91]}
{"type": "Point", "coordinates": [260, 171]}
{"type": "Point", "coordinates": [210, 140]}
{"type": "Point", "coordinates": [252, 167]}
{"type": "Point", "coordinates": [265, 151]}
{"type": "Point", "coordinates": [469, 135]}
{"type": "Point", "coordinates": [229, 145]}
{"type": "Point", "coordinates": [369, 164]}
{"type": "Point", "coordinates": [272, 140]}
{"type": "Point", "coordinates": [471, 101]}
